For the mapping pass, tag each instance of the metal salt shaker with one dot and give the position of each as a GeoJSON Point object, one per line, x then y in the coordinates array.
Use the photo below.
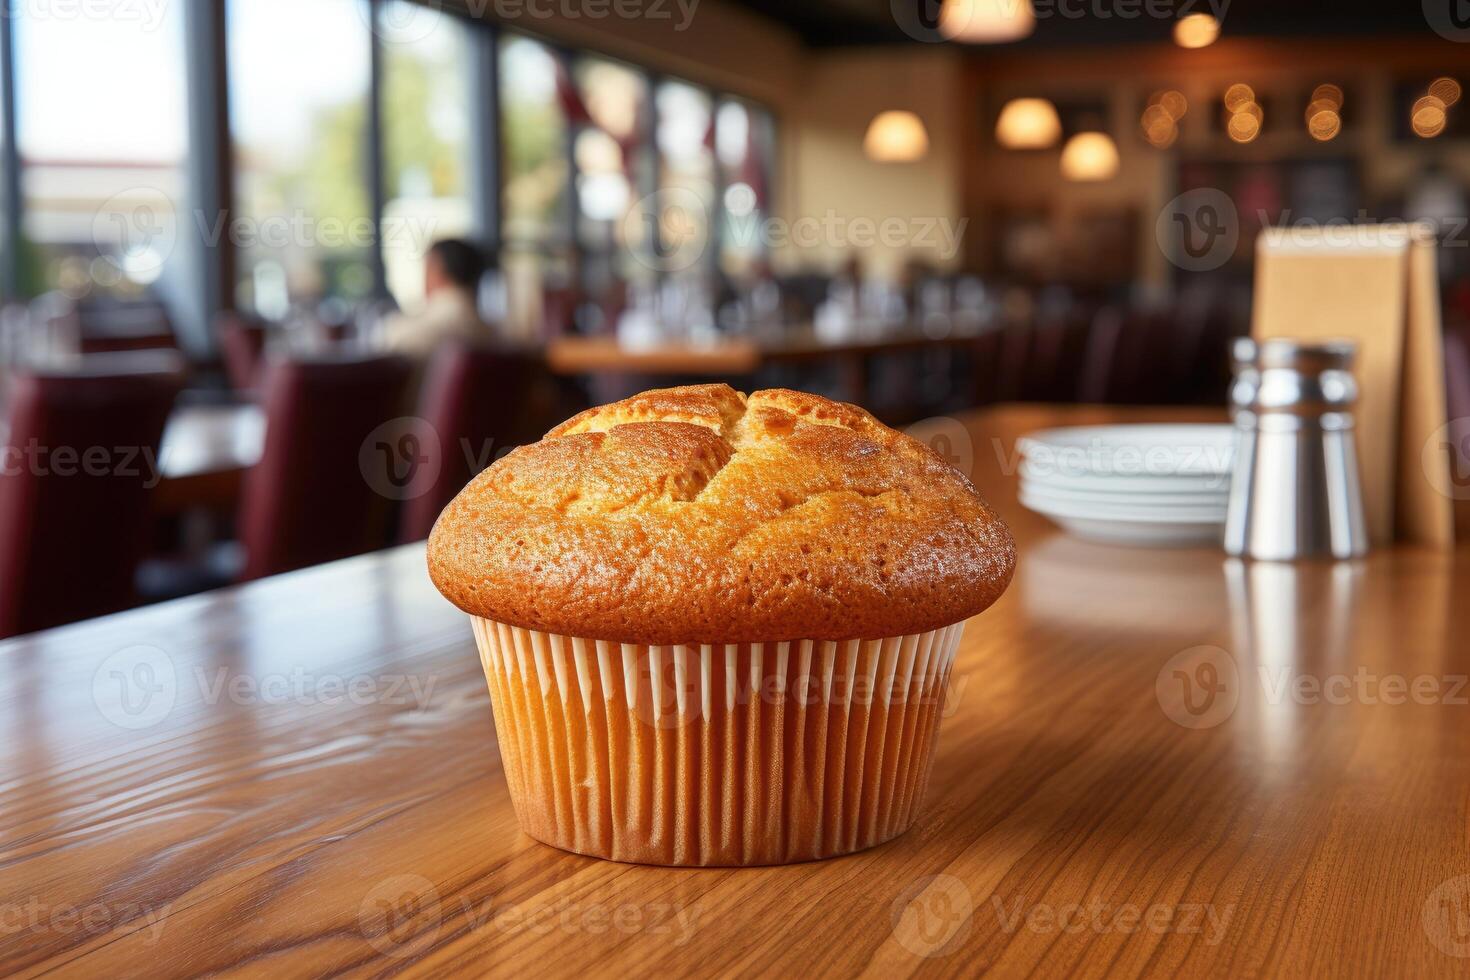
{"type": "Point", "coordinates": [1295, 490]}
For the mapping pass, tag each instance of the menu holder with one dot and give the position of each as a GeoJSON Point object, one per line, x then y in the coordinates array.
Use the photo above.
{"type": "Point", "coordinates": [1376, 285]}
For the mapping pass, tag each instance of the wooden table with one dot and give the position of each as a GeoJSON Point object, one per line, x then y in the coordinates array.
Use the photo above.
{"type": "Point", "coordinates": [738, 357]}
{"type": "Point", "coordinates": [601, 355]}
{"type": "Point", "coordinates": [734, 356]}
{"type": "Point", "coordinates": [304, 779]}
{"type": "Point", "coordinates": [205, 452]}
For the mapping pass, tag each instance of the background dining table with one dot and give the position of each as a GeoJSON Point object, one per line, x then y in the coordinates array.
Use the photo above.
{"type": "Point", "coordinates": [205, 453]}
{"type": "Point", "coordinates": [1152, 763]}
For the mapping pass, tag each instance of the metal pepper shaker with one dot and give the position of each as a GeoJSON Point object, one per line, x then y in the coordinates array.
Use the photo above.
{"type": "Point", "coordinates": [1295, 492]}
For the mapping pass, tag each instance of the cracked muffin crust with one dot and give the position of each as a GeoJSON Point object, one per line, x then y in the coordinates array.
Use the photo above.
{"type": "Point", "coordinates": [700, 515]}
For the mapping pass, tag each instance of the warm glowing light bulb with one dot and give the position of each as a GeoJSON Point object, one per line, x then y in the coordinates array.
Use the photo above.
{"type": "Point", "coordinates": [896, 136]}
{"type": "Point", "coordinates": [1243, 127]}
{"type": "Point", "coordinates": [986, 21]}
{"type": "Point", "coordinates": [1328, 93]}
{"type": "Point", "coordinates": [1196, 31]}
{"type": "Point", "coordinates": [1090, 157]}
{"type": "Point", "coordinates": [1174, 103]}
{"type": "Point", "coordinates": [1324, 125]}
{"type": "Point", "coordinates": [1028, 124]}
{"type": "Point", "coordinates": [1428, 119]}
{"type": "Point", "coordinates": [1238, 96]}
{"type": "Point", "coordinates": [1446, 90]}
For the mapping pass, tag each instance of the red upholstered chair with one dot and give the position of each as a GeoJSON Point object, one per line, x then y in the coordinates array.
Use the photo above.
{"type": "Point", "coordinates": [558, 311]}
{"type": "Point", "coordinates": [81, 452]}
{"type": "Point", "coordinates": [1104, 340]}
{"type": "Point", "coordinates": [314, 496]}
{"type": "Point", "coordinates": [242, 346]}
{"type": "Point", "coordinates": [478, 403]}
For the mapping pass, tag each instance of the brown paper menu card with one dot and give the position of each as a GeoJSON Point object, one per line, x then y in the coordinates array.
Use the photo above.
{"type": "Point", "coordinates": [1375, 285]}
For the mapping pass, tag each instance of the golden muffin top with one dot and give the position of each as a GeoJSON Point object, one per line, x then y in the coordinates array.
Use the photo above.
{"type": "Point", "coordinates": [701, 515]}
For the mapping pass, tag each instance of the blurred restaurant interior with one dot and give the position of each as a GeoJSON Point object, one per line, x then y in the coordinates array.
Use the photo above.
{"type": "Point", "coordinates": [285, 251]}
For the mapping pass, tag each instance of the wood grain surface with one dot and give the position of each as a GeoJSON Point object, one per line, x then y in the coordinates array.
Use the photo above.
{"type": "Point", "coordinates": [1153, 763]}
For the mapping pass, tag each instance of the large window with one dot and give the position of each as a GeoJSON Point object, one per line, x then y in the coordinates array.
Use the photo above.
{"type": "Point", "coordinates": [614, 170]}
{"type": "Point", "coordinates": [100, 115]}
{"type": "Point", "coordinates": [536, 186]}
{"type": "Point", "coordinates": [687, 179]}
{"type": "Point", "coordinates": [428, 121]}
{"type": "Point", "coordinates": [535, 133]}
{"type": "Point", "coordinates": [744, 137]}
{"type": "Point", "coordinates": [327, 96]}
{"type": "Point", "coordinates": [303, 215]}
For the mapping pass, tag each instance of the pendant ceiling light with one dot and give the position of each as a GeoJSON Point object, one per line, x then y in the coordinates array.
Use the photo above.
{"type": "Point", "coordinates": [986, 21]}
{"type": "Point", "coordinates": [1028, 124]}
{"type": "Point", "coordinates": [896, 136]}
{"type": "Point", "coordinates": [1196, 31]}
{"type": "Point", "coordinates": [1090, 157]}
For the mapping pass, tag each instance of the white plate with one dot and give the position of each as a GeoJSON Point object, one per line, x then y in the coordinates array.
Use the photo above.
{"type": "Point", "coordinates": [1133, 525]}
{"type": "Point", "coordinates": [1108, 498]}
{"type": "Point", "coordinates": [1123, 512]}
{"type": "Point", "coordinates": [1130, 450]}
{"type": "Point", "coordinates": [1103, 483]}
{"type": "Point", "coordinates": [1143, 534]}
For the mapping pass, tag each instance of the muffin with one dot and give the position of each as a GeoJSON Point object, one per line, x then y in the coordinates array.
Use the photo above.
{"type": "Point", "coordinates": [718, 629]}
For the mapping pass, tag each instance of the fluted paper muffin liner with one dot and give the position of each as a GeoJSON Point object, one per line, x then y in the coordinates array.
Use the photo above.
{"type": "Point", "coordinates": [697, 755]}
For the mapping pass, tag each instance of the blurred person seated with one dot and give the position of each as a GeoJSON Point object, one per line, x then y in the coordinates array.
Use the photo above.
{"type": "Point", "coordinates": [453, 269]}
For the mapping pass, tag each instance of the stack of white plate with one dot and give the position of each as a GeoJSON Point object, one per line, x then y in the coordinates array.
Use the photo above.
{"type": "Point", "coordinates": [1131, 484]}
